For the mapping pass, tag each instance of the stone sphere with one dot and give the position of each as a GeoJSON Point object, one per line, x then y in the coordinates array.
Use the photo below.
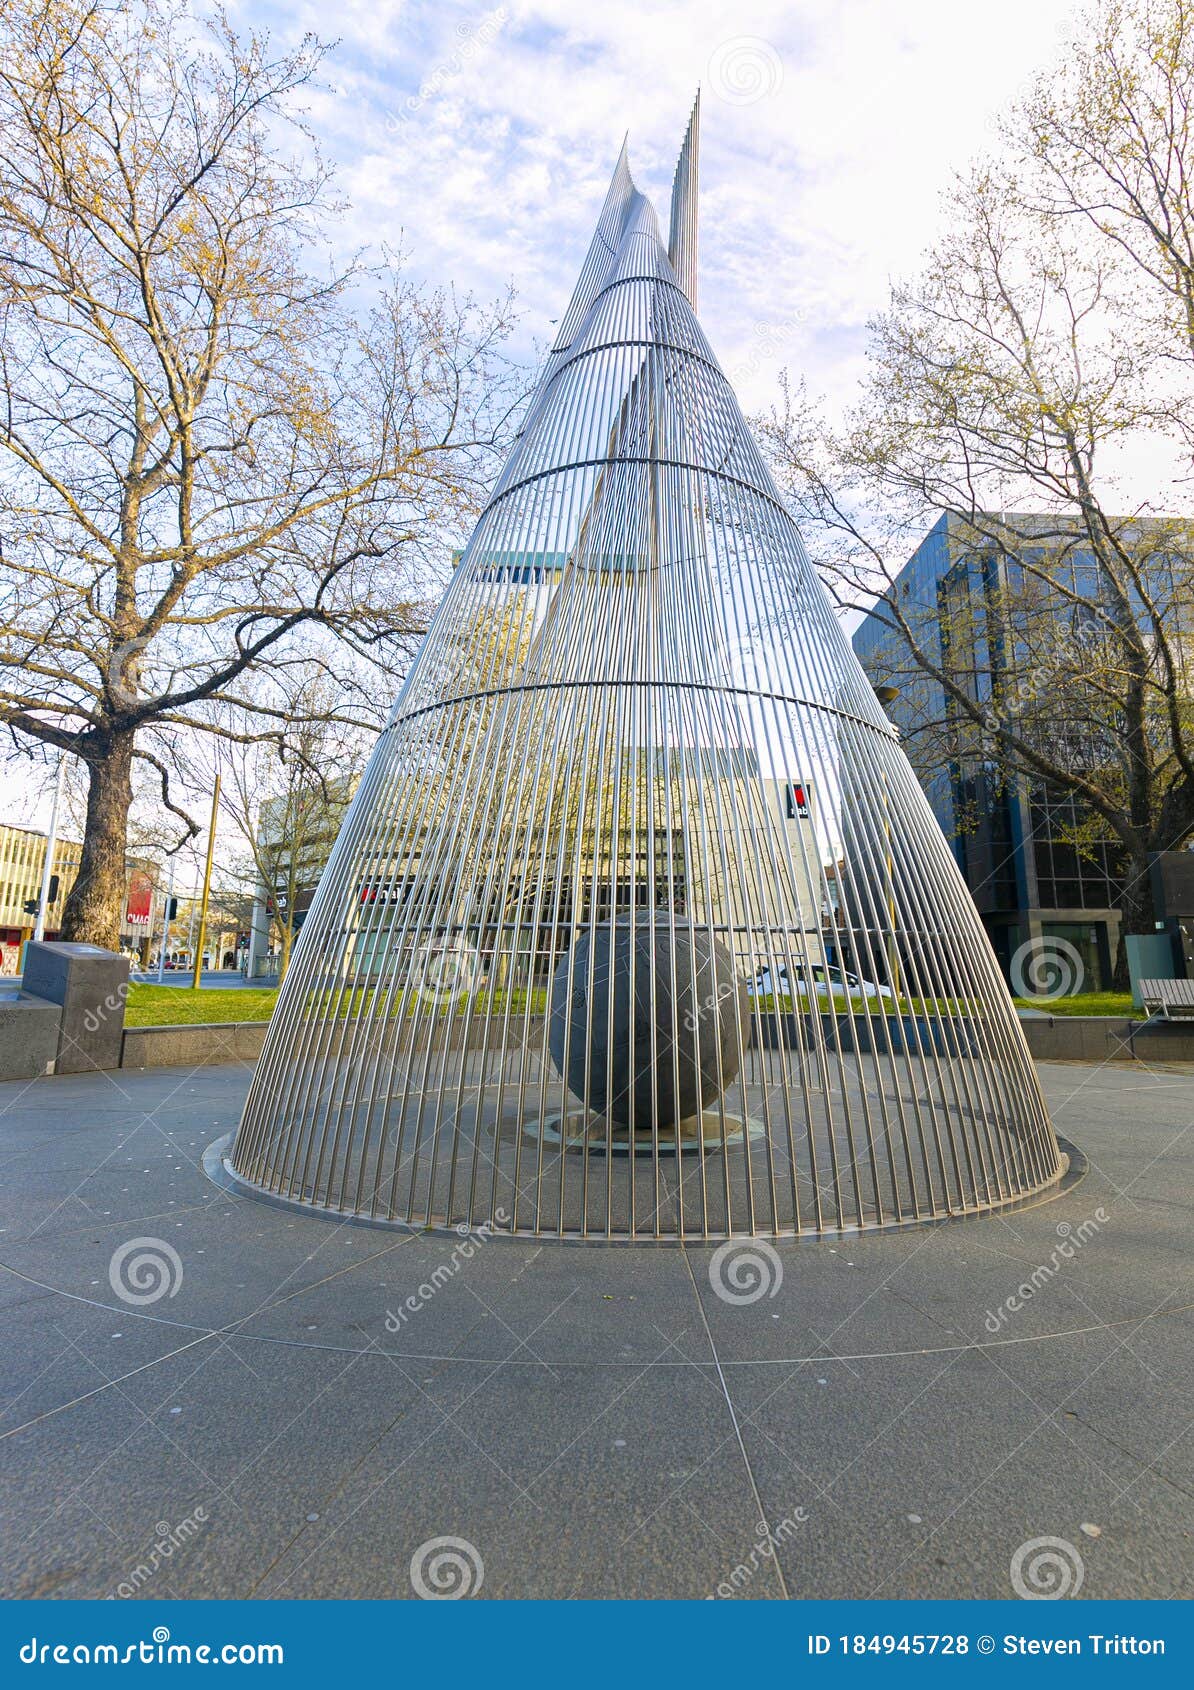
{"type": "Point", "coordinates": [696, 1005]}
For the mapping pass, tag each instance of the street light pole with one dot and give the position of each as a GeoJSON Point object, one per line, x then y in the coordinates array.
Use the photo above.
{"type": "Point", "coordinates": [43, 902]}
{"type": "Point", "coordinates": [211, 848]}
{"type": "Point", "coordinates": [166, 924]}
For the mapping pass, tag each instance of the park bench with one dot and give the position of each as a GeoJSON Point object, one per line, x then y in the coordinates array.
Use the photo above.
{"type": "Point", "coordinates": [1174, 999]}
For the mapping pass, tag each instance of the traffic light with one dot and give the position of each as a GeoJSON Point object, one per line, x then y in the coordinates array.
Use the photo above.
{"type": "Point", "coordinates": [171, 909]}
{"type": "Point", "coordinates": [32, 905]}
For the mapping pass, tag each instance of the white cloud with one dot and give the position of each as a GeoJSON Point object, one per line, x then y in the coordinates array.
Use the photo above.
{"type": "Point", "coordinates": [813, 194]}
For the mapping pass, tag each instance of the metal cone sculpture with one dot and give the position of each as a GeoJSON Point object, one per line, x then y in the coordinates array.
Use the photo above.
{"type": "Point", "coordinates": [639, 925]}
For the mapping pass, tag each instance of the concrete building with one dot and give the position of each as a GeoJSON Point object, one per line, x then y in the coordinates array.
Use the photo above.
{"type": "Point", "coordinates": [295, 834]}
{"type": "Point", "coordinates": [22, 860]}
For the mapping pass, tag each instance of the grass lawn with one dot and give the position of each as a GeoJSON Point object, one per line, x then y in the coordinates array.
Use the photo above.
{"type": "Point", "coordinates": [1085, 1003]}
{"type": "Point", "coordinates": [171, 1006]}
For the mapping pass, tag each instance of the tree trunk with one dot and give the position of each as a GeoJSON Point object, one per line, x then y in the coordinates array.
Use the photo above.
{"type": "Point", "coordinates": [284, 953]}
{"type": "Point", "coordinates": [94, 911]}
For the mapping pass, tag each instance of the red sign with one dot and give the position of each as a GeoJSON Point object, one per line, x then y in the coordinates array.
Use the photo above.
{"type": "Point", "coordinates": [381, 892]}
{"type": "Point", "coordinates": [140, 904]}
{"type": "Point", "coordinates": [797, 801]}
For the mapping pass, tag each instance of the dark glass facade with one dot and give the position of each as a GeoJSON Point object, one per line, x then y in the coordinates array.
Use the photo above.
{"type": "Point", "coordinates": [1037, 861]}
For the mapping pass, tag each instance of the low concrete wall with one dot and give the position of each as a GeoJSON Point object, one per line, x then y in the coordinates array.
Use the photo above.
{"type": "Point", "coordinates": [203, 1044]}
{"type": "Point", "coordinates": [29, 1029]}
{"type": "Point", "coordinates": [199, 1045]}
{"type": "Point", "coordinates": [1060, 1038]}
{"type": "Point", "coordinates": [1080, 1038]}
{"type": "Point", "coordinates": [1108, 1038]}
{"type": "Point", "coordinates": [1163, 1041]}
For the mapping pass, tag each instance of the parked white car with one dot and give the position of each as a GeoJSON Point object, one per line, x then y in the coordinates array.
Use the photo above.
{"type": "Point", "coordinates": [816, 981]}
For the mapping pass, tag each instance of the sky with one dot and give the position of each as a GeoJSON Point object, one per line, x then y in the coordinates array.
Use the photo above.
{"type": "Point", "coordinates": [479, 141]}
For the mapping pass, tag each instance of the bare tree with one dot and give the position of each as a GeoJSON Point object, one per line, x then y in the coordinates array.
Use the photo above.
{"type": "Point", "coordinates": [205, 456]}
{"type": "Point", "coordinates": [1107, 136]}
{"type": "Point", "coordinates": [288, 796]}
{"type": "Point", "coordinates": [1014, 374]}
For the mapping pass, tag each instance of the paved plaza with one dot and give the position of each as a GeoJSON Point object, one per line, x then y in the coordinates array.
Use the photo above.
{"type": "Point", "coordinates": [282, 1406]}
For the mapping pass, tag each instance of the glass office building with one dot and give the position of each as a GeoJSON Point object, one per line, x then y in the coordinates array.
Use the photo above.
{"type": "Point", "coordinates": [1038, 862]}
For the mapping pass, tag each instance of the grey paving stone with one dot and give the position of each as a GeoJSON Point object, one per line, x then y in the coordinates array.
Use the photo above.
{"type": "Point", "coordinates": [568, 1484]}
{"type": "Point", "coordinates": [564, 1407]}
{"type": "Point", "coordinates": [922, 1477]}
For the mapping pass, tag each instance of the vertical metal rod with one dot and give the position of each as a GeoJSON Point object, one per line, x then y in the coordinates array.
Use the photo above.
{"type": "Point", "coordinates": [166, 925]}
{"type": "Point", "coordinates": [43, 901]}
{"type": "Point", "coordinates": [691, 1008]}
{"type": "Point", "coordinates": [211, 849]}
